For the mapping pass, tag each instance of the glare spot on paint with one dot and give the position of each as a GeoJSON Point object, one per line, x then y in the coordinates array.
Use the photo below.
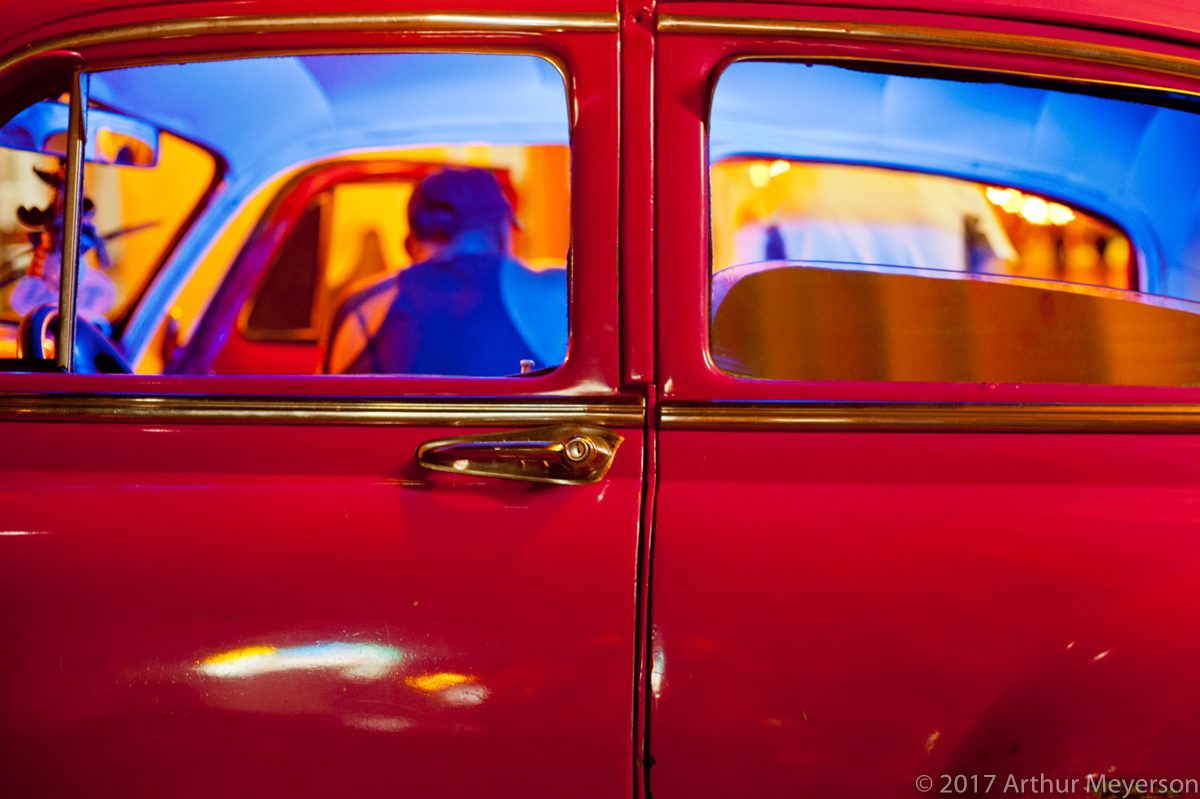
{"type": "Point", "coordinates": [440, 681]}
{"type": "Point", "coordinates": [379, 723]}
{"type": "Point", "coordinates": [658, 670]}
{"type": "Point", "coordinates": [353, 661]}
{"type": "Point", "coordinates": [464, 695]}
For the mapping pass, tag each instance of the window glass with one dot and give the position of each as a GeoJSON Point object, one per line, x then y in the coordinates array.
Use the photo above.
{"type": "Point", "coordinates": [23, 253]}
{"type": "Point", "coordinates": [144, 185]}
{"type": "Point", "coordinates": [782, 209]}
{"type": "Point", "coordinates": [366, 214]}
{"type": "Point", "coordinates": [931, 229]}
{"type": "Point", "coordinates": [354, 233]}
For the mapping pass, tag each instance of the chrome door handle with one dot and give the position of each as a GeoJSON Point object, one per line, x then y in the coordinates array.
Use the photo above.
{"type": "Point", "coordinates": [567, 454]}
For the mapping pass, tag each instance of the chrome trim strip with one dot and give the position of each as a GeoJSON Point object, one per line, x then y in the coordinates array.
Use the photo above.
{"type": "Point", "coordinates": [932, 417]}
{"type": "Point", "coordinates": [1179, 66]}
{"type": "Point", "coordinates": [505, 412]}
{"type": "Point", "coordinates": [427, 22]}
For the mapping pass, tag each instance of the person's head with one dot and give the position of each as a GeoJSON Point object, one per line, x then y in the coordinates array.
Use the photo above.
{"type": "Point", "coordinates": [462, 208]}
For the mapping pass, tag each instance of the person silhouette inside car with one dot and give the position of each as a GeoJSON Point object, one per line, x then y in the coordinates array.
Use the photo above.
{"type": "Point", "coordinates": [455, 311]}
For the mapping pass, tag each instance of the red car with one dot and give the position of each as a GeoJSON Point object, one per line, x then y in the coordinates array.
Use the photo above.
{"type": "Point", "coordinates": [847, 446]}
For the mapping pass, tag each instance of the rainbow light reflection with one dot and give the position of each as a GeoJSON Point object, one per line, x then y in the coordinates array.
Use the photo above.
{"type": "Point", "coordinates": [352, 661]}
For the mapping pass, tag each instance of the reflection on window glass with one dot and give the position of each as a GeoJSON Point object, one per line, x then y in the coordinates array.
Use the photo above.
{"type": "Point", "coordinates": [384, 214]}
{"type": "Point", "coordinates": [23, 255]}
{"type": "Point", "coordinates": [139, 212]}
{"type": "Point", "coordinates": [365, 214]}
{"type": "Point", "coordinates": [356, 237]}
{"type": "Point", "coordinates": [928, 229]}
{"type": "Point", "coordinates": [132, 213]}
{"type": "Point", "coordinates": [779, 210]}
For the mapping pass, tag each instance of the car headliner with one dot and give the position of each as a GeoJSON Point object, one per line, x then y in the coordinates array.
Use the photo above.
{"type": "Point", "coordinates": [266, 114]}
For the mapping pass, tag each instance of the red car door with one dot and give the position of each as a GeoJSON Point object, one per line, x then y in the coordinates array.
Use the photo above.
{"type": "Point", "coordinates": [250, 586]}
{"type": "Point", "coordinates": [875, 573]}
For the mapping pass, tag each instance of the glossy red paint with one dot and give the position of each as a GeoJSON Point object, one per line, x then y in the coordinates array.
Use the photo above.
{"type": "Point", "coordinates": [1160, 18]}
{"type": "Point", "coordinates": [34, 23]}
{"type": "Point", "coordinates": [833, 614]}
{"type": "Point", "coordinates": [686, 68]}
{"type": "Point", "coordinates": [271, 609]}
{"type": "Point", "coordinates": [637, 188]}
{"type": "Point", "coordinates": [638, 318]}
{"type": "Point", "coordinates": [589, 61]}
{"type": "Point", "coordinates": [434, 634]}
{"type": "Point", "coordinates": [841, 614]}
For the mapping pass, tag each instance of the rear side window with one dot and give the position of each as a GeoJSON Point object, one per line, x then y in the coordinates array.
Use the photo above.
{"type": "Point", "coordinates": [873, 226]}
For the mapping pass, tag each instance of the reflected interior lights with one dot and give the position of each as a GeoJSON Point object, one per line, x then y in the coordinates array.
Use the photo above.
{"type": "Point", "coordinates": [432, 683]}
{"type": "Point", "coordinates": [658, 671]}
{"type": "Point", "coordinates": [1031, 208]}
{"type": "Point", "coordinates": [352, 661]}
{"type": "Point", "coordinates": [761, 174]}
{"type": "Point", "coordinates": [452, 688]}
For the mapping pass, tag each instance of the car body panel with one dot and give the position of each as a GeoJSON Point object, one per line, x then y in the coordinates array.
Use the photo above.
{"type": "Point", "coordinates": [1161, 18]}
{"type": "Point", "coordinates": [780, 589]}
{"type": "Point", "coordinates": [248, 584]}
{"type": "Point", "coordinates": [585, 49]}
{"type": "Point", "coordinates": [841, 613]}
{"type": "Point", "coordinates": [696, 55]}
{"type": "Point", "coordinates": [856, 585]}
{"type": "Point", "coordinates": [312, 612]}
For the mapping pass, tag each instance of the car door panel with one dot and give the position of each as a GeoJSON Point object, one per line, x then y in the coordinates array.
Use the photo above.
{"type": "Point", "coordinates": [888, 588]}
{"type": "Point", "coordinates": [322, 614]}
{"type": "Point", "coordinates": [247, 585]}
{"type": "Point", "coordinates": [843, 613]}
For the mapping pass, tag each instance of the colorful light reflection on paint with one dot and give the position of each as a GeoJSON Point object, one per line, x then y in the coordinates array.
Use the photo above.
{"type": "Point", "coordinates": [658, 671]}
{"type": "Point", "coordinates": [452, 688]}
{"type": "Point", "coordinates": [350, 660]}
{"type": "Point", "coordinates": [439, 681]}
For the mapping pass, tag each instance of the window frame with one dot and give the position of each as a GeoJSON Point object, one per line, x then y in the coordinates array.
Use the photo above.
{"type": "Point", "coordinates": [698, 48]}
{"type": "Point", "coordinates": [581, 46]}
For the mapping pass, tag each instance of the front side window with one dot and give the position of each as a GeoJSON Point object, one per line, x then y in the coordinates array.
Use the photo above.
{"type": "Point", "coordinates": [144, 185]}
{"type": "Point", "coordinates": [400, 213]}
{"type": "Point", "coordinates": [873, 226]}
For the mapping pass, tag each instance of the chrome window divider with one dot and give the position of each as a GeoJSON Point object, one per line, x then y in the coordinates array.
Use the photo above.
{"type": "Point", "coordinates": [68, 282]}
